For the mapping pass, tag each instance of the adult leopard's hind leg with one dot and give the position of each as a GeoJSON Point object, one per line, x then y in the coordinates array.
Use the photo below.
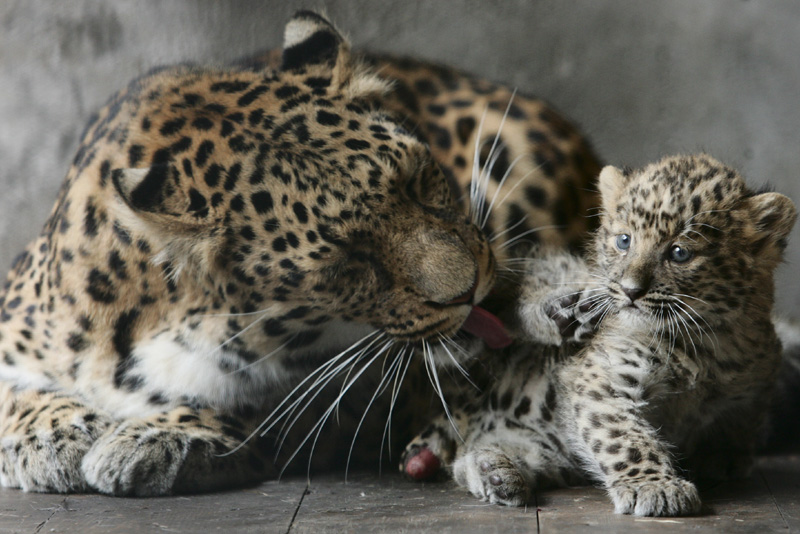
{"type": "Point", "coordinates": [43, 439]}
{"type": "Point", "coordinates": [178, 451]}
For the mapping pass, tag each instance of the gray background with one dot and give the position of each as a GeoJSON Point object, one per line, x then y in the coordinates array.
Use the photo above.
{"type": "Point", "coordinates": [643, 78]}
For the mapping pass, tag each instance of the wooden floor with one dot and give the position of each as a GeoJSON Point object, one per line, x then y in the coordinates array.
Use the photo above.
{"type": "Point", "coordinates": [768, 502]}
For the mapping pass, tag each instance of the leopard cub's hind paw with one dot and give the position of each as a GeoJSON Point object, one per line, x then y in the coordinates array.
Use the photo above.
{"type": "Point", "coordinates": [491, 476]}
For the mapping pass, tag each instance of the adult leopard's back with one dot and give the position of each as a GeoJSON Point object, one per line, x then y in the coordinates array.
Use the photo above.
{"type": "Point", "coordinates": [223, 233]}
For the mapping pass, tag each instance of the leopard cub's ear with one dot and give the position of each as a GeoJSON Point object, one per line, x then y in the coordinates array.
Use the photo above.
{"type": "Point", "coordinates": [610, 183]}
{"type": "Point", "coordinates": [773, 215]}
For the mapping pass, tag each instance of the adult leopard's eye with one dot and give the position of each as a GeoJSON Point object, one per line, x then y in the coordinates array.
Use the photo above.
{"type": "Point", "coordinates": [680, 254]}
{"type": "Point", "coordinates": [623, 241]}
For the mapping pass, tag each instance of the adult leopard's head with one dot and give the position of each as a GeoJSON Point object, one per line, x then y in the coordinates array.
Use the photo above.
{"type": "Point", "coordinates": [291, 192]}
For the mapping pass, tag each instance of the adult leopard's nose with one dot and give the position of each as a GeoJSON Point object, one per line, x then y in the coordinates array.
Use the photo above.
{"type": "Point", "coordinates": [441, 267]}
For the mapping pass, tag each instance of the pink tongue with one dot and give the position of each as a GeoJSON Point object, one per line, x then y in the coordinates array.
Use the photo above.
{"type": "Point", "coordinates": [480, 323]}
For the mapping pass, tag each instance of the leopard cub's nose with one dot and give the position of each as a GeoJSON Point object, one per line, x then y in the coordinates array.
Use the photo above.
{"type": "Point", "coordinates": [634, 293]}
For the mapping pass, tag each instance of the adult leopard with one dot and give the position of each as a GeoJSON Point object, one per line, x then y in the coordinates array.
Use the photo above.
{"type": "Point", "coordinates": [225, 234]}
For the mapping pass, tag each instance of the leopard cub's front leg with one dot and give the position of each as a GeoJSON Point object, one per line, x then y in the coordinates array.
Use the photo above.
{"type": "Point", "coordinates": [621, 447]}
{"type": "Point", "coordinates": [640, 478]}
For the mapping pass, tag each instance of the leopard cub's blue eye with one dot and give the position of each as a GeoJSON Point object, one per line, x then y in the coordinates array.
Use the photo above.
{"type": "Point", "coordinates": [680, 254]}
{"type": "Point", "coordinates": [623, 241]}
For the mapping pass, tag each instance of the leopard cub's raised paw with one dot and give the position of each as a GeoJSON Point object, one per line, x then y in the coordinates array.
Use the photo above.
{"type": "Point", "coordinates": [575, 316]}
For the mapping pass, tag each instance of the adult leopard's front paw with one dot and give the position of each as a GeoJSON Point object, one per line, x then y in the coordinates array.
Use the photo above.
{"type": "Point", "coordinates": [136, 460]}
{"type": "Point", "coordinates": [669, 497]}
{"type": "Point", "coordinates": [47, 457]}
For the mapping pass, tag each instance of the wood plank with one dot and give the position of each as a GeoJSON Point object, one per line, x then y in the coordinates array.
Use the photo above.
{"type": "Point", "coordinates": [393, 504]}
{"type": "Point", "coordinates": [745, 506]}
{"type": "Point", "coordinates": [781, 475]}
{"type": "Point", "coordinates": [266, 508]}
{"type": "Point", "coordinates": [27, 512]}
{"type": "Point", "coordinates": [767, 502]}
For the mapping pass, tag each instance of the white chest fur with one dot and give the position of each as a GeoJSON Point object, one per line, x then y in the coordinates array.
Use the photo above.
{"type": "Point", "coordinates": [187, 367]}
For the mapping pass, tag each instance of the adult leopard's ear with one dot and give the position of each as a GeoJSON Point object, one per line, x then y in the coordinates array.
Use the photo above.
{"type": "Point", "coordinates": [158, 194]}
{"type": "Point", "coordinates": [313, 46]}
{"type": "Point", "coordinates": [180, 223]}
{"type": "Point", "coordinates": [610, 183]}
{"type": "Point", "coordinates": [773, 216]}
{"type": "Point", "coordinates": [310, 41]}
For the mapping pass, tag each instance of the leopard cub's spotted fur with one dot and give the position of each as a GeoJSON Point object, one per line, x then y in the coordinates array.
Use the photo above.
{"type": "Point", "coordinates": [676, 380]}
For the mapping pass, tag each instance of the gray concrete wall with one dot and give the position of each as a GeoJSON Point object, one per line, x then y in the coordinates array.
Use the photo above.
{"type": "Point", "coordinates": [643, 78]}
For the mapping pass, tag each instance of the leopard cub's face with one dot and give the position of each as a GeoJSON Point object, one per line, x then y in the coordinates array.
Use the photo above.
{"type": "Point", "coordinates": [683, 240]}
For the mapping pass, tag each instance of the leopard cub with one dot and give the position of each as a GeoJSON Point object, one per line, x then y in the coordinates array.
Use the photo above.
{"type": "Point", "coordinates": [676, 380]}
